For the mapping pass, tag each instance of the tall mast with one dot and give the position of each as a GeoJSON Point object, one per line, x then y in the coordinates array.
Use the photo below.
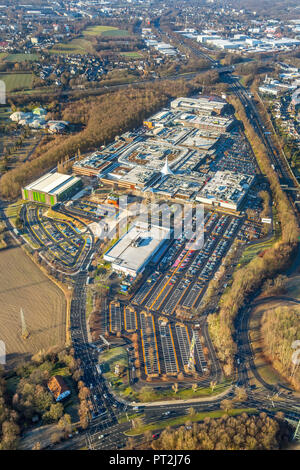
{"type": "Point", "coordinates": [25, 333]}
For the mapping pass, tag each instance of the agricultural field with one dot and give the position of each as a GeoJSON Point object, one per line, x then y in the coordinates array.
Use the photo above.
{"type": "Point", "coordinates": [83, 45]}
{"type": "Point", "coordinates": [43, 303]}
{"type": "Point", "coordinates": [76, 46]}
{"type": "Point", "coordinates": [100, 30]}
{"type": "Point", "coordinates": [16, 81]}
{"type": "Point", "coordinates": [132, 55]}
{"type": "Point", "coordinates": [21, 57]}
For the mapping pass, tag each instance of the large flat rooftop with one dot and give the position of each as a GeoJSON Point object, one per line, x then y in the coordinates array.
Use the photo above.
{"type": "Point", "coordinates": [226, 187]}
{"type": "Point", "coordinates": [134, 250]}
{"type": "Point", "coordinates": [52, 183]}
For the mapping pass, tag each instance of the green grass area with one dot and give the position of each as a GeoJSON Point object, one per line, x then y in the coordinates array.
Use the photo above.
{"type": "Point", "coordinates": [115, 33]}
{"type": "Point", "coordinates": [202, 392]}
{"type": "Point", "coordinates": [148, 394]}
{"type": "Point", "coordinates": [99, 30]}
{"type": "Point", "coordinates": [113, 356]}
{"type": "Point", "coordinates": [30, 241]}
{"type": "Point", "coordinates": [268, 374]}
{"type": "Point", "coordinates": [13, 210]}
{"type": "Point", "coordinates": [58, 370]}
{"type": "Point", "coordinates": [76, 46]}
{"type": "Point", "coordinates": [22, 58]}
{"type": "Point", "coordinates": [180, 420]}
{"type": "Point", "coordinates": [132, 55]}
{"type": "Point", "coordinates": [129, 416]}
{"type": "Point", "coordinates": [262, 365]}
{"type": "Point", "coordinates": [83, 44]}
{"type": "Point", "coordinates": [293, 287]}
{"type": "Point", "coordinates": [3, 55]}
{"type": "Point", "coordinates": [16, 81]}
{"type": "Point", "coordinates": [120, 385]}
{"type": "Point", "coordinates": [89, 302]}
{"type": "Point", "coordinates": [71, 404]}
{"type": "Point", "coordinates": [253, 250]}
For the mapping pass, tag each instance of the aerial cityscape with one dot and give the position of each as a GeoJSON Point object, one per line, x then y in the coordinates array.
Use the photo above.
{"type": "Point", "coordinates": [150, 227]}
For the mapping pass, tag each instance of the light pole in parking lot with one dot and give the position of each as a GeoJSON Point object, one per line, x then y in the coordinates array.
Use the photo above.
{"type": "Point", "coordinates": [191, 363]}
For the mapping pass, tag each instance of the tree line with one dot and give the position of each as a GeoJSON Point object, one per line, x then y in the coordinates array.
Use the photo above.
{"type": "Point", "coordinates": [242, 432]}
{"type": "Point", "coordinates": [280, 329]}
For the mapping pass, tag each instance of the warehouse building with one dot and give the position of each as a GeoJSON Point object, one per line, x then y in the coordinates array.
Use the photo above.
{"type": "Point", "coordinates": [133, 252]}
{"type": "Point", "coordinates": [52, 188]}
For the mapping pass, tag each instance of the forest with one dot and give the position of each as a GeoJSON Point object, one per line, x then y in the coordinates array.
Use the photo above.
{"type": "Point", "coordinates": [9, 429]}
{"type": "Point", "coordinates": [280, 330]}
{"type": "Point", "coordinates": [26, 401]}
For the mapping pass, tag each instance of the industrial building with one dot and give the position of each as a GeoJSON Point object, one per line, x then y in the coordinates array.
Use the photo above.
{"type": "Point", "coordinates": [133, 252]}
{"type": "Point", "coordinates": [226, 189]}
{"type": "Point", "coordinates": [52, 188]}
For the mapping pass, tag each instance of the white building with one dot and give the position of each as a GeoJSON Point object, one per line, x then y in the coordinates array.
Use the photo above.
{"type": "Point", "coordinates": [133, 252]}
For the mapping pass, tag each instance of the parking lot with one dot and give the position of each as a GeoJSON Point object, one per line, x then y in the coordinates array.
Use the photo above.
{"type": "Point", "coordinates": [183, 343]}
{"type": "Point", "coordinates": [149, 345]}
{"type": "Point", "coordinates": [59, 241]}
{"type": "Point", "coordinates": [168, 349]}
{"type": "Point", "coordinates": [91, 210]}
{"type": "Point", "coordinates": [170, 293]}
{"type": "Point", "coordinates": [182, 275]}
{"type": "Point", "coordinates": [164, 345]}
{"type": "Point", "coordinates": [115, 317]}
{"type": "Point", "coordinates": [234, 154]}
{"type": "Point", "coordinates": [130, 320]}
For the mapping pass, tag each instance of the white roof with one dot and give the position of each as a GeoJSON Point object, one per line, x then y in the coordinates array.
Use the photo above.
{"type": "Point", "coordinates": [52, 183]}
{"type": "Point", "coordinates": [126, 256]}
{"type": "Point", "coordinates": [166, 169]}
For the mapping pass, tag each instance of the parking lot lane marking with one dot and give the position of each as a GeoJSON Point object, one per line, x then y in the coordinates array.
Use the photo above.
{"type": "Point", "coordinates": [174, 272]}
{"type": "Point", "coordinates": [172, 339]}
{"type": "Point", "coordinates": [155, 339]}
{"type": "Point", "coordinates": [125, 318]}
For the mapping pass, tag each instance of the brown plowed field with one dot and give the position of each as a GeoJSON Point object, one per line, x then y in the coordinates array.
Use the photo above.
{"type": "Point", "coordinates": [22, 284]}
